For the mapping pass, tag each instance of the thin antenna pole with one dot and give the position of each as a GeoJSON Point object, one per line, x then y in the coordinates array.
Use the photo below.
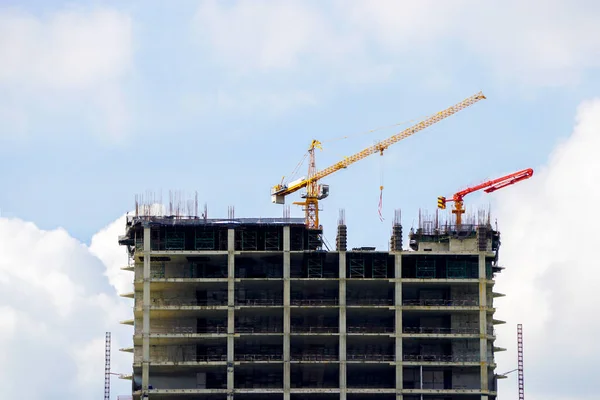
{"type": "Point", "coordinates": [520, 361]}
{"type": "Point", "coordinates": [107, 368]}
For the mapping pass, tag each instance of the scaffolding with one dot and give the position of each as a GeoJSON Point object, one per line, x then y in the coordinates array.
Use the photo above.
{"type": "Point", "coordinates": [380, 267]}
{"type": "Point", "coordinates": [315, 241]}
{"type": "Point", "coordinates": [456, 269]}
{"type": "Point", "coordinates": [157, 270]}
{"type": "Point", "coordinates": [425, 268]}
{"type": "Point", "coordinates": [174, 240]}
{"type": "Point", "coordinates": [296, 239]}
{"type": "Point", "coordinates": [204, 239]}
{"type": "Point", "coordinates": [315, 266]}
{"type": "Point", "coordinates": [272, 241]}
{"type": "Point", "coordinates": [357, 266]}
{"type": "Point", "coordinates": [246, 240]}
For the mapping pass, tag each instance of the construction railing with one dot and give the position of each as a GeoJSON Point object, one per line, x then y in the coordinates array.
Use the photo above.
{"type": "Point", "coordinates": [259, 329]}
{"type": "Point", "coordinates": [369, 302]}
{"type": "Point", "coordinates": [441, 358]}
{"type": "Point", "coordinates": [439, 302]}
{"type": "Point", "coordinates": [314, 329]}
{"type": "Point", "coordinates": [314, 357]}
{"type": "Point", "coordinates": [370, 357]}
{"type": "Point", "coordinates": [259, 302]}
{"type": "Point", "coordinates": [427, 329]}
{"type": "Point", "coordinates": [370, 329]}
{"type": "Point", "coordinates": [314, 302]}
{"type": "Point", "coordinates": [258, 357]}
{"type": "Point", "coordinates": [191, 358]}
{"type": "Point", "coordinates": [187, 302]}
{"type": "Point", "coordinates": [185, 330]}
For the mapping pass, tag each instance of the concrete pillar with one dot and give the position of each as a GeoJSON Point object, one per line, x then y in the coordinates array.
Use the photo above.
{"type": "Point", "coordinates": [230, 309]}
{"type": "Point", "coordinates": [146, 313]}
{"type": "Point", "coordinates": [398, 323]}
{"type": "Point", "coordinates": [286, 313]}
{"type": "Point", "coordinates": [483, 348]}
{"type": "Point", "coordinates": [343, 327]}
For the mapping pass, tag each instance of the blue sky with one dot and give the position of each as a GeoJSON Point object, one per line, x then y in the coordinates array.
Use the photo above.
{"type": "Point", "coordinates": [179, 129]}
{"type": "Point", "coordinates": [105, 100]}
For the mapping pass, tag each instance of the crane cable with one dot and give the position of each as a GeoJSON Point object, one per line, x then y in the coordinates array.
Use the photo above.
{"type": "Point", "coordinates": [374, 129]}
{"type": "Point", "coordinates": [379, 209]}
{"type": "Point", "coordinates": [297, 168]}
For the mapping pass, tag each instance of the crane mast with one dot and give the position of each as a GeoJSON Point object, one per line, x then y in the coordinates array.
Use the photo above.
{"type": "Point", "coordinates": [316, 192]}
{"type": "Point", "coordinates": [520, 361]}
{"type": "Point", "coordinates": [489, 187]}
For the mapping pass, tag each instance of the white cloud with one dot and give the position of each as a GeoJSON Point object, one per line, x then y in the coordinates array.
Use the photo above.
{"type": "Point", "coordinates": [60, 63]}
{"type": "Point", "coordinates": [114, 257]}
{"type": "Point", "coordinates": [56, 306]}
{"type": "Point", "coordinates": [266, 35]}
{"type": "Point", "coordinates": [534, 43]}
{"type": "Point", "coordinates": [551, 277]}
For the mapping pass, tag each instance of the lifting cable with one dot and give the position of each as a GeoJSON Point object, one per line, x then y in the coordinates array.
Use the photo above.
{"type": "Point", "coordinates": [379, 209]}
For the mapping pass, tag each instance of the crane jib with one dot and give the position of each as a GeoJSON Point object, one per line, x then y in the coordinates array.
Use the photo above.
{"type": "Point", "coordinates": [379, 147]}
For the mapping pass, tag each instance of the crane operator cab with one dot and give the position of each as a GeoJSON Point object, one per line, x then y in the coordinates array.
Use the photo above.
{"type": "Point", "coordinates": [322, 192]}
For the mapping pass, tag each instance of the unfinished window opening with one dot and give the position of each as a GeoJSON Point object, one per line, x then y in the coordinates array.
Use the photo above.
{"type": "Point", "coordinates": [315, 376]}
{"type": "Point", "coordinates": [263, 376]}
{"type": "Point", "coordinates": [253, 267]}
{"type": "Point", "coordinates": [370, 348]}
{"type": "Point", "coordinates": [259, 348]}
{"type": "Point", "coordinates": [314, 348]}
{"type": "Point", "coordinates": [371, 376]}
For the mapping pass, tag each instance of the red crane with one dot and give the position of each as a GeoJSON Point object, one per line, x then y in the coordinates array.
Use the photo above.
{"type": "Point", "coordinates": [489, 187]}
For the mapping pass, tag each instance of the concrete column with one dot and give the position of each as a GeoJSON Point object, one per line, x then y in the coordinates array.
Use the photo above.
{"type": "Point", "coordinates": [146, 314]}
{"type": "Point", "coordinates": [343, 327]}
{"type": "Point", "coordinates": [483, 348]}
{"type": "Point", "coordinates": [286, 313]}
{"type": "Point", "coordinates": [398, 324]}
{"type": "Point", "coordinates": [230, 309]}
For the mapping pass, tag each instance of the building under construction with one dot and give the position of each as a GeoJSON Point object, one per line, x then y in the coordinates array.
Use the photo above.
{"type": "Point", "coordinates": [261, 309]}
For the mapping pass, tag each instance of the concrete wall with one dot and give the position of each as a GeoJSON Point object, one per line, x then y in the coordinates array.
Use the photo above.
{"type": "Point", "coordinates": [173, 382]}
{"type": "Point", "coordinates": [432, 246]}
{"type": "Point", "coordinates": [463, 378]}
{"type": "Point", "coordinates": [457, 245]}
{"type": "Point", "coordinates": [470, 321]}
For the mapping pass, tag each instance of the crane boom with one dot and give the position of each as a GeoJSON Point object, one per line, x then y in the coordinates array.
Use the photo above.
{"type": "Point", "coordinates": [496, 184]}
{"type": "Point", "coordinates": [489, 187]}
{"type": "Point", "coordinates": [314, 191]}
{"type": "Point", "coordinates": [381, 146]}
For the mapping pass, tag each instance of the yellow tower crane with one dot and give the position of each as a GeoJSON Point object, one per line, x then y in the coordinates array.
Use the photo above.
{"type": "Point", "coordinates": [316, 191]}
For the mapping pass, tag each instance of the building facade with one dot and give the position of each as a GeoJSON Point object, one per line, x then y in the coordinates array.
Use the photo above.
{"type": "Point", "coordinates": [256, 309]}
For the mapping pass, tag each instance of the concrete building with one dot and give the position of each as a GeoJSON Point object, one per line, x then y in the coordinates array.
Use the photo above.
{"type": "Point", "coordinates": [256, 309]}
